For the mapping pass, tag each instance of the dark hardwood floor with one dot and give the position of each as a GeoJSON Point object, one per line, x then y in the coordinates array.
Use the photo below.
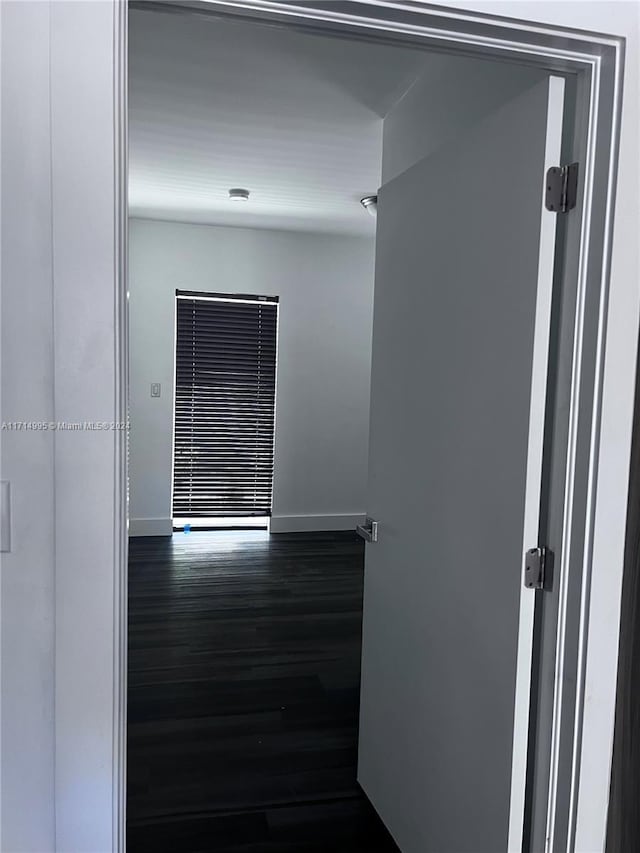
{"type": "Point", "coordinates": [244, 666]}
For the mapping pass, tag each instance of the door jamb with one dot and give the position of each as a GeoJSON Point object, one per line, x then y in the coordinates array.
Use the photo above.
{"type": "Point", "coordinates": [598, 62]}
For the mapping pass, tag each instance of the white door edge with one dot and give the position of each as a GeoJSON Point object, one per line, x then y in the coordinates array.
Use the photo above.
{"type": "Point", "coordinates": [539, 373]}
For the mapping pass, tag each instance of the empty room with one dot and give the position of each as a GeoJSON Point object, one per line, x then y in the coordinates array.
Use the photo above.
{"type": "Point", "coordinates": [339, 344]}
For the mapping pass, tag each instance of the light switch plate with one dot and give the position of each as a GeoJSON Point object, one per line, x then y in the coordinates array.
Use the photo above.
{"type": "Point", "coordinates": [155, 389]}
{"type": "Point", "coordinates": [5, 516]}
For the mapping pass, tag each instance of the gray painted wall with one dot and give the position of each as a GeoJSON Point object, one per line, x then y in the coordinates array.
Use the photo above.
{"type": "Point", "coordinates": [325, 285]}
{"type": "Point", "coordinates": [452, 94]}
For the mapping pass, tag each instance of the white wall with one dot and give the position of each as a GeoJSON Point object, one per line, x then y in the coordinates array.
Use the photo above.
{"type": "Point", "coordinates": [27, 458]}
{"type": "Point", "coordinates": [451, 95]}
{"type": "Point", "coordinates": [60, 636]}
{"type": "Point", "coordinates": [325, 286]}
{"type": "Point", "coordinates": [88, 196]}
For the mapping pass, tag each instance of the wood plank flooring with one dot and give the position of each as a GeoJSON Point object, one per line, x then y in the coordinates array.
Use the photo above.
{"type": "Point", "coordinates": [244, 667]}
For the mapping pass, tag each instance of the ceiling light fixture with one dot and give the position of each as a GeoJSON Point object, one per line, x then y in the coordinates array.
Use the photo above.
{"type": "Point", "coordinates": [238, 194]}
{"type": "Point", "coordinates": [370, 204]}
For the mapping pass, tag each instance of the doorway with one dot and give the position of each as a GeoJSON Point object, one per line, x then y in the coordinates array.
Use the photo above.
{"type": "Point", "coordinates": [66, 76]}
{"type": "Point", "coordinates": [245, 645]}
{"type": "Point", "coordinates": [408, 159]}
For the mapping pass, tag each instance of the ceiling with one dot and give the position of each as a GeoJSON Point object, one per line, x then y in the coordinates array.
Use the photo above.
{"type": "Point", "coordinates": [296, 118]}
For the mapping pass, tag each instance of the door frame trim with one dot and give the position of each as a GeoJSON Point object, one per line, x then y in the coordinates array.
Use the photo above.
{"type": "Point", "coordinates": [121, 415]}
{"type": "Point", "coordinates": [598, 62]}
{"type": "Point", "coordinates": [534, 496]}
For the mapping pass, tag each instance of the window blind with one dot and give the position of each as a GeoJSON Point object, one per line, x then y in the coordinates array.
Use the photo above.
{"type": "Point", "coordinates": [224, 405]}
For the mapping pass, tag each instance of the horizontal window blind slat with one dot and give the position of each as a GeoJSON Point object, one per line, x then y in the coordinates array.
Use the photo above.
{"type": "Point", "coordinates": [224, 407]}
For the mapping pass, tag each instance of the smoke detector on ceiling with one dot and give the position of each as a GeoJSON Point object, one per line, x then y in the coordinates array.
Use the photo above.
{"type": "Point", "coordinates": [370, 204]}
{"type": "Point", "coordinates": [238, 194]}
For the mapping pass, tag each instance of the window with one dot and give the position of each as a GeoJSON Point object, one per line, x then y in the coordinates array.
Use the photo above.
{"type": "Point", "coordinates": [224, 406]}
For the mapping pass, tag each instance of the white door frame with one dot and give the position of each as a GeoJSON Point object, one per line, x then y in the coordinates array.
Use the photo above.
{"type": "Point", "coordinates": [597, 61]}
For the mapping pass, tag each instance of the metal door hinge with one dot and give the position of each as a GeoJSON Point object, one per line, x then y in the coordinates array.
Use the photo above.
{"type": "Point", "coordinates": [538, 563]}
{"type": "Point", "coordinates": [562, 188]}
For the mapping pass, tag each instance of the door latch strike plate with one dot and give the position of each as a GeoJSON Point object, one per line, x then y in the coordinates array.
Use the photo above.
{"type": "Point", "coordinates": [561, 194]}
{"type": "Point", "coordinates": [538, 563]}
{"type": "Point", "coordinates": [368, 531]}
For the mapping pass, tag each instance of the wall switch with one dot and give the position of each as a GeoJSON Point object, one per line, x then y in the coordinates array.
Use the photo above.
{"type": "Point", "coordinates": [155, 389]}
{"type": "Point", "coordinates": [5, 515]}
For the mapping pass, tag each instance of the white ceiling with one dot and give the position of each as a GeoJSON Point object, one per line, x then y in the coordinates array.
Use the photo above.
{"type": "Point", "coordinates": [293, 117]}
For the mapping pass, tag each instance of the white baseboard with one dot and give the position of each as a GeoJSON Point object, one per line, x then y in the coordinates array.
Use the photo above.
{"type": "Point", "coordinates": [150, 527]}
{"type": "Point", "coordinates": [309, 523]}
{"type": "Point", "coordinates": [279, 524]}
